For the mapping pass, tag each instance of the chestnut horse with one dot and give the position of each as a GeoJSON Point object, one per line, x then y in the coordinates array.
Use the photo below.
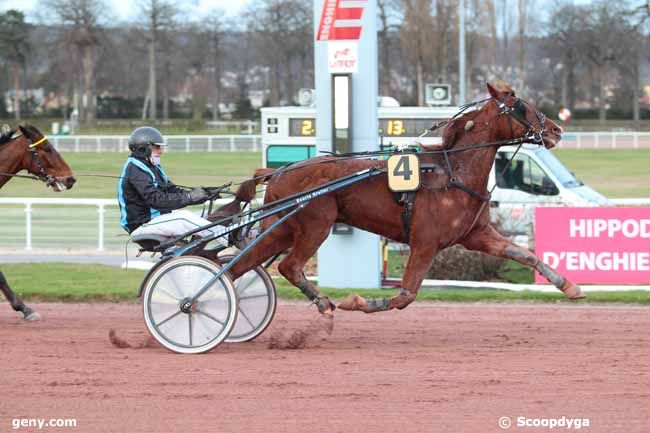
{"type": "Point", "coordinates": [25, 148]}
{"type": "Point", "coordinates": [451, 206]}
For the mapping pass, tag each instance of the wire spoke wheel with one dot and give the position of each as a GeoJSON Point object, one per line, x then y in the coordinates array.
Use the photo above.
{"type": "Point", "coordinates": [177, 323]}
{"type": "Point", "coordinates": [256, 300]}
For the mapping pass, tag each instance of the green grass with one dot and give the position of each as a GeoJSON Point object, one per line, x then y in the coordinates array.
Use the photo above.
{"type": "Point", "coordinates": [615, 173]}
{"type": "Point", "coordinates": [183, 168]}
{"type": "Point", "coordinates": [96, 283]}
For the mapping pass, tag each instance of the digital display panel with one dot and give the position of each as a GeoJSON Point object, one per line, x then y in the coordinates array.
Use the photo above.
{"type": "Point", "coordinates": [306, 127]}
{"type": "Point", "coordinates": [302, 127]}
{"type": "Point", "coordinates": [405, 127]}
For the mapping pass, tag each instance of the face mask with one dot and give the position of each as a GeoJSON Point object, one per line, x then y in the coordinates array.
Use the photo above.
{"type": "Point", "coordinates": [155, 160]}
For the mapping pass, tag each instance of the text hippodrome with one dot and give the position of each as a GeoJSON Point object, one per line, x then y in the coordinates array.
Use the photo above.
{"type": "Point", "coordinates": [601, 227]}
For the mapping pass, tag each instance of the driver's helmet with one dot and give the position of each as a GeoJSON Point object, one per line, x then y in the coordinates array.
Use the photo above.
{"type": "Point", "coordinates": [142, 138]}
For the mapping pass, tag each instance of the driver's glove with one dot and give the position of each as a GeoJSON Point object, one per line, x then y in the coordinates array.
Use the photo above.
{"type": "Point", "coordinates": [197, 195]}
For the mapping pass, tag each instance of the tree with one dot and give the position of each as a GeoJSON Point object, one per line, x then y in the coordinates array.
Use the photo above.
{"type": "Point", "coordinates": [14, 46]}
{"type": "Point", "coordinates": [604, 32]}
{"type": "Point", "coordinates": [214, 26]}
{"type": "Point", "coordinates": [159, 15]}
{"type": "Point", "coordinates": [81, 24]}
{"type": "Point", "coordinates": [416, 39]}
{"type": "Point", "coordinates": [385, 11]}
{"type": "Point", "coordinates": [282, 32]}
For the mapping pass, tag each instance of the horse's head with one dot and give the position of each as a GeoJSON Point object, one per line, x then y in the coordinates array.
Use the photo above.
{"type": "Point", "coordinates": [521, 118]}
{"type": "Point", "coordinates": [43, 160]}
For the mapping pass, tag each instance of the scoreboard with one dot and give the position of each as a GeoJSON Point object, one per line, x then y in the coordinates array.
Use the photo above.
{"type": "Point", "coordinates": [289, 133]}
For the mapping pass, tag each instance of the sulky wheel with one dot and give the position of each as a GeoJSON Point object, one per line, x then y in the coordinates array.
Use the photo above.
{"type": "Point", "coordinates": [256, 302]}
{"type": "Point", "coordinates": [174, 320]}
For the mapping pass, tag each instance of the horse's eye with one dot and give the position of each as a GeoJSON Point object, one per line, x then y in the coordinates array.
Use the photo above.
{"type": "Point", "coordinates": [520, 108]}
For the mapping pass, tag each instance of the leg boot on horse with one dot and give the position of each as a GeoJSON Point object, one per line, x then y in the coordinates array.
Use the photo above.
{"type": "Point", "coordinates": [16, 303]}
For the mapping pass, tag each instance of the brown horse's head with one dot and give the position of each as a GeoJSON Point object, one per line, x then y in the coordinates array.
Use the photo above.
{"type": "Point", "coordinates": [521, 118]}
{"type": "Point", "coordinates": [40, 158]}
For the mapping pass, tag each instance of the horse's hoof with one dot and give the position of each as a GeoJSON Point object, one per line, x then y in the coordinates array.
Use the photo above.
{"type": "Point", "coordinates": [353, 303]}
{"type": "Point", "coordinates": [572, 291]}
{"type": "Point", "coordinates": [33, 317]}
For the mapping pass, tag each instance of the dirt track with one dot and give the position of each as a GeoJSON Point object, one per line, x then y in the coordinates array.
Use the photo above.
{"type": "Point", "coordinates": [429, 368]}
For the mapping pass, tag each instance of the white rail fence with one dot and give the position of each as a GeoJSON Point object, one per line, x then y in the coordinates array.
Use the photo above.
{"type": "Point", "coordinates": [253, 143]}
{"type": "Point", "coordinates": [176, 143]}
{"type": "Point", "coordinates": [51, 223]}
{"type": "Point", "coordinates": [605, 140]}
{"type": "Point", "coordinates": [72, 223]}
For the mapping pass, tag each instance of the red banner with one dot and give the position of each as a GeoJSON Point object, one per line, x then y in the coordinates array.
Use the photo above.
{"type": "Point", "coordinates": [340, 22]}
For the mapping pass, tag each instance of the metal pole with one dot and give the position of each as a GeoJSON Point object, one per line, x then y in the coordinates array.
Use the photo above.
{"type": "Point", "coordinates": [461, 53]}
{"type": "Point", "coordinates": [28, 226]}
{"type": "Point", "coordinates": [100, 242]}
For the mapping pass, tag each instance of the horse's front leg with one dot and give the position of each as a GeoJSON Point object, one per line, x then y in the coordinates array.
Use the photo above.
{"type": "Point", "coordinates": [416, 268]}
{"type": "Point", "coordinates": [488, 240]}
{"type": "Point", "coordinates": [16, 303]}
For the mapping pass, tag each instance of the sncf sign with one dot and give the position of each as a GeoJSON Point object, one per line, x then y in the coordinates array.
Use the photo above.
{"type": "Point", "coordinates": [341, 20]}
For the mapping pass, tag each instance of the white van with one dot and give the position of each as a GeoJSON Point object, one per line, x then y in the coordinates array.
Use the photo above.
{"type": "Point", "coordinates": [534, 178]}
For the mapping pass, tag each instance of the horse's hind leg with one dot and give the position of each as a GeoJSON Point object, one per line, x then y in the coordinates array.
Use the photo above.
{"type": "Point", "coordinates": [489, 241]}
{"type": "Point", "coordinates": [16, 303]}
{"type": "Point", "coordinates": [417, 266]}
{"type": "Point", "coordinates": [311, 227]}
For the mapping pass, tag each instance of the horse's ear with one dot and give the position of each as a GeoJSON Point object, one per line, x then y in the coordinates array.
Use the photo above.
{"type": "Point", "coordinates": [494, 92]}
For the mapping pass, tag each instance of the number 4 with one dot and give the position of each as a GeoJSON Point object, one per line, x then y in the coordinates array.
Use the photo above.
{"type": "Point", "coordinates": [403, 168]}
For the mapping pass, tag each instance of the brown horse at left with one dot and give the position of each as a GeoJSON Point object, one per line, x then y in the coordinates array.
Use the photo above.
{"type": "Point", "coordinates": [451, 207]}
{"type": "Point", "coordinates": [26, 148]}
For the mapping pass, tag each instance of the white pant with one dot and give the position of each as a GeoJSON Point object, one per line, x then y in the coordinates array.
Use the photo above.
{"type": "Point", "coordinates": [177, 223]}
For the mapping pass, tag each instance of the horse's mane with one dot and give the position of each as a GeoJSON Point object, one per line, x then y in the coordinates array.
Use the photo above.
{"type": "Point", "coordinates": [456, 129]}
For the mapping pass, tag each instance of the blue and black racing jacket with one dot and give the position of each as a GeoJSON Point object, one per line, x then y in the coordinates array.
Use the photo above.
{"type": "Point", "coordinates": [144, 192]}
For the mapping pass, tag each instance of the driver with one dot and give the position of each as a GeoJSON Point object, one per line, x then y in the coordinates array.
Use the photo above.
{"type": "Point", "coordinates": [147, 197]}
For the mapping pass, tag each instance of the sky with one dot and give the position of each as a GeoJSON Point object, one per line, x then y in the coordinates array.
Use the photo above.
{"type": "Point", "coordinates": [124, 9]}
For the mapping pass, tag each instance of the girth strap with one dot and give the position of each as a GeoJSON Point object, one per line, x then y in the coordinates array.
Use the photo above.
{"type": "Point", "coordinates": [406, 200]}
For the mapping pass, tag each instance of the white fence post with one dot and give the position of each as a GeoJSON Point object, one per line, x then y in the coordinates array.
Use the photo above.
{"type": "Point", "coordinates": [28, 226]}
{"type": "Point", "coordinates": [100, 242]}
{"type": "Point", "coordinates": [232, 143]}
{"type": "Point", "coordinates": [187, 144]}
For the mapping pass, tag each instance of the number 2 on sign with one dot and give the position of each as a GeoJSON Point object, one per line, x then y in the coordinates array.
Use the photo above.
{"type": "Point", "coordinates": [403, 173]}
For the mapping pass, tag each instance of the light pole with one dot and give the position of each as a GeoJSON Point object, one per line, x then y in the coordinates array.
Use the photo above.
{"type": "Point", "coordinates": [461, 53]}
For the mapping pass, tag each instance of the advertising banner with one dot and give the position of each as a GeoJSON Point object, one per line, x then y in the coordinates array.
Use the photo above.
{"type": "Point", "coordinates": [596, 245]}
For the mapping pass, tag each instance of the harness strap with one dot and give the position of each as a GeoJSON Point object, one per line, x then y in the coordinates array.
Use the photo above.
{"type": "Point", "coordinates": [407, 199]}
{"type": "Point", "coordinates": [462, 187]}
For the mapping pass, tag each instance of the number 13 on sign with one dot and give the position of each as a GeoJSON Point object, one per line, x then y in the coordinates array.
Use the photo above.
{"type": "Point", "coordinates": [403, 173]}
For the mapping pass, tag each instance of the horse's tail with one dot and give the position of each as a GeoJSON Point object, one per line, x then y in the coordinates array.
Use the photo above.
{"type": "Point", "coordinates": [245, 194]}
{"type": "Point", "coordinates": [247, 190]}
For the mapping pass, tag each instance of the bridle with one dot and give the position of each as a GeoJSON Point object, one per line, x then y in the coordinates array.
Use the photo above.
{"type": "Point", "coordinates": [41, 173]}
{"type": "Point", "coordinates": [531, 135]}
